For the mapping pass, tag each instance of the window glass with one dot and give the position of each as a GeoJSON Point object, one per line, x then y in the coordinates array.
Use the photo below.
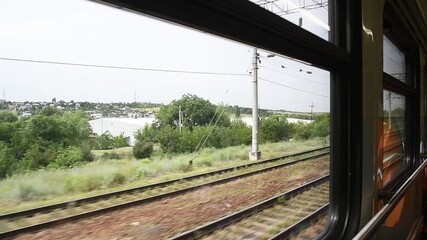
{"type": "Point", "coordinates": [393, 60]}
{"type": "Point", "coordinates": [98, 100]}
{"type": "Point", "coordinates": [311, 15]}
{"type": "Point", "coordinates": [394, 134]}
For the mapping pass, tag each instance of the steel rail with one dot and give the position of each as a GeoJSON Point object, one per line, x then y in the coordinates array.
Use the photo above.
{"type": "Point", "coordinates": [96, 212]}
{"type": "Point", "coordinates": [242, 214]}
{"type": "Point", "coordinates": [78, 202]}
{"type": "Point", "coordinates": [301, 224]}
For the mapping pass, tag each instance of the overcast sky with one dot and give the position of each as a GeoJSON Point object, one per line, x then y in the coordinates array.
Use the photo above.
{"type": "Point", "coordinates": [80, 31]}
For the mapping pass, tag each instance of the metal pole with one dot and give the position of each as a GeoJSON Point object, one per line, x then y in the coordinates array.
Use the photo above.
{"type": "Point", "coordinates": [311, 112]}
{"type": "Point", "coordinates": [180, 119]}
{"type": "Point", "coordinates": [255, 154]}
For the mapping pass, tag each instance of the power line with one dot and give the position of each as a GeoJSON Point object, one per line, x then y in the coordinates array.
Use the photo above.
{"type": "Point", "coordinates": [272, 62]}
{"type": "Point", "coordinates": [288, 66]}
{"type": "Point", "coordinates": [295, 76]}
{"type": "Point", "coordinates": [296, 89]}
{"type": "Point", "coordinates": [120, 67]}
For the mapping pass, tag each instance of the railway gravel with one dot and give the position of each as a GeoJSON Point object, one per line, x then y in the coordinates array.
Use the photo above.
{"type": "Point", "coordinates": [165, 218]}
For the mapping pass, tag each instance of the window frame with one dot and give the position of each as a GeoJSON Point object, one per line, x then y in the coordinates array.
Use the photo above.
{"type": "Point", "coordinates": [245, 22]}
{"type": "Point", "coordinates": [398, 34]}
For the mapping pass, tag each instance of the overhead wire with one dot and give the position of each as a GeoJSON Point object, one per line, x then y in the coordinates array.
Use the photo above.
{"type": "Point", "coordinates": [296, 89]}
{"type": "Point", "coordinates": [120, 67]}
{"type": "Point", "coordinates": [205, 137]}
{"type": "Point", "coordinates": [295, 76]}
{"type": "Point", "coordinates": [288, 66]}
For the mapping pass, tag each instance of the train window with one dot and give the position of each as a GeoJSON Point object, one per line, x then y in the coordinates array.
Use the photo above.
{"type": "Point", "coordinates": [393, 60]}
{"type": "Point", "coordinates": [394, 135]}
{"type": "Point", "coordinates": [398, 105]}
{"type": "Point", "coordinates": [312, 16]}
{"type": "Point", "coordinates": [115, 111]}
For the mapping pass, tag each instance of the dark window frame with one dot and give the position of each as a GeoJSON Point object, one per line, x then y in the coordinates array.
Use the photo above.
{"type": "Point", "coordinates": [398, 34]}
{"type": "Point", "coordinates": [243, 21]}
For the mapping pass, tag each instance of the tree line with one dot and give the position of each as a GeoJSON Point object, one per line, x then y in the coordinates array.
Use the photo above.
{"type": "Point", "coordinates": [53, 139]}
{"type": "Point", "coordinates": [207, 125]}
{"type": "Point", "coordinates": [49, 139]}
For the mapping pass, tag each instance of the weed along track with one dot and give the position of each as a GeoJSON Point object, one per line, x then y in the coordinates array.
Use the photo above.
{"type": "Point", "coordinates": [276, 218]}
{"type": "Point", "coordinates": [160, 203]}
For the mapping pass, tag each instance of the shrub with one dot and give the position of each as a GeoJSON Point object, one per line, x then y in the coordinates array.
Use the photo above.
{"type": "Point", "coordinates": [117, 179]}
{"type": "Point", "coordinates": [303, 131]}
{"type": "Point", "coordinates": [120, 141]}
{"type": "Point", "coordinates": [111, 155]}
{"type": "Point", "coordinates": [86, 149]}
{"type": "Point", "coordinates": [147, 134]}
{"type": "Point", "coordinates": [321, 126]}
{"type": "Point", "coordinates": [26, 191]}
{"type": "Point", "coordinates": [274, 129]}
{"type": "Point", "coordinates": [37, 156]}
{"type": "Point", "coordinates": [67, 157]}
{"type": "Point", "coordinates": [105, 141]}
{"type": "Point", "coordinates": [7, 161]}
{"type": "Point", "coordinates": [142, 150]}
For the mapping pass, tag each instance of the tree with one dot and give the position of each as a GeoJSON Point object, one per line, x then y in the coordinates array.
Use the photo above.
{"type": "Point", "coordinates": [49, 111]}
{"type": "Point", "coordinates": [196, 111]}
{"type": "Point", "coordinates": [77, 128]}
{"type": "Point", "coordinates": [147, 134]}
{"type": "Point", "coordinates": [8, 117]}
{"type": "Point", "coordinates": [47, 139]}
{"type": "Point", "coordinates": [3, 105]}
{"type": "Point", "coordinates": [321, 126]}
{"type": "Point", "coordinates": [7, 161]}
{"type": "Point", "coordinates": [303, 131]}
{"type": "Point", "coordinates": [67, 157]}
{"type": "Point", "coordinates": [49, 129]}
{"type": "Point", "coordinates": [275, 129]}
{"type": "Point", "coordinates": [120, 141]}
{"type": "Point", "coordinates": [7, 131]}
{"type": "Point", "coordinates": [105, 141]}
{"type": "Point", "coordinates": [237, 111]}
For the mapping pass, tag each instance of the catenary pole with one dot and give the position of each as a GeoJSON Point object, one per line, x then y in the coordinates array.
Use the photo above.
{"type": "Point", "coordinates": [255, 154]}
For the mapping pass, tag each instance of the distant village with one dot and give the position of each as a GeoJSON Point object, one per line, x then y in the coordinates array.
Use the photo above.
{"type": "Point", "coordinates": [95, 110]}
{"type": "Point", "coordinates": [125, 110]}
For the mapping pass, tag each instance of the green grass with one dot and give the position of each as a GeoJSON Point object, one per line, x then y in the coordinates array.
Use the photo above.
{"type": "Point", "coordinates": [44, 187]}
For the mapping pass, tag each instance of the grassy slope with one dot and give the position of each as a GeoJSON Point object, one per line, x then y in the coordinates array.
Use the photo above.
{"type": "Point", "coordinates": [51, 186]}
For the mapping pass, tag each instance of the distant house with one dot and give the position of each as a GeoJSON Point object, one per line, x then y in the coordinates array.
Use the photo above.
{"type": "Point", "coordinates": [96, 115]}
{"type": "Point", "coordinates": [26, 114]}
{"type": "Point", "coordinates": [134, 115]}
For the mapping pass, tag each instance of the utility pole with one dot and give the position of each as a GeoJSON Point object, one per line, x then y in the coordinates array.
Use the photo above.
{"type": "Point", "coordinates": [180, 119]}
{"type": "Point", "coordinates": [311, 106]}
{"type": "Point", "coordinates": [255, 154]}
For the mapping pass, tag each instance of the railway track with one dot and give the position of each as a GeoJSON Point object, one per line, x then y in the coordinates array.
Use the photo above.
{"type": "Point", "coordinates": [274, 218]}
{"type": "Point", "coordinates": [30, 220]}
